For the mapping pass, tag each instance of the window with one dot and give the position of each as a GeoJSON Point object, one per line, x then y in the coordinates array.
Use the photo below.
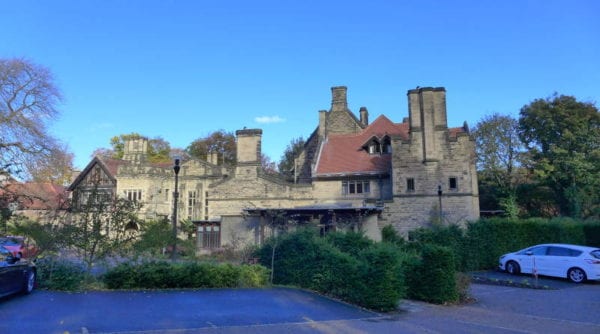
{"type": "Point", "coordinates": [191, 204]}
{"type": "Point", "coordinates": [133, 194]}
{"type": "Point", "coordinates": [386, 145]}
{"type": "Point", "coordinates": [453, 183]}
{"type": "Point", "coordinates": [410, 184]}
{"type": "Point", "coordinates": [355, 187]}
{"type": "Point", "coordinates": [562, 251]}
{"type": "Point", "coordinates": [209, 236]}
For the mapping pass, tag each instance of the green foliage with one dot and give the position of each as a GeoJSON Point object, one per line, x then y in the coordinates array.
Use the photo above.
{"type": "Point", "coordinates": [349, 242]}
{"type": "Point", "coordinates": [432, 279]}
{"type": "Point", "coordinates": [100, 227]}
{"type": "Point", "coordinates": [481, 243]}
{"type": "Point", "coordinates": [158, 149]}
{"type": "Point", "coordinates": [57, 274]}
{"type": "Point", "coordinates": [390, 235]}
{"type": "Point", "coordinates": [168, 275]}
{"type": "Point", "coordinates": [347, 266]}
{"type": "Point", "coordinates": [154, 237]}
{"type": "Point", "coordinates": [286, 164]}
{"type": "Point", "coordinates": [221, 142]}
{"type": "Point", "coordinates": [563, 135]}
{"type": "Point", "coordinates": [45, 237]}
{"type": "Point", "coordinates": [451, 236]}
{"type": "Point", "coordinates": [499, 155]}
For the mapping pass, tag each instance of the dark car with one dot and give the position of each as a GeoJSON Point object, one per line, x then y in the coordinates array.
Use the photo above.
{"type": "Point", "coordinates": [16, 275]}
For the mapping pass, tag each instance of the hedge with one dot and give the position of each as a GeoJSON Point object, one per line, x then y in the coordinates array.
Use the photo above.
{"type": "Point", "coordinates": [479, 245]}
{"type": "Point", "coordinates": [344, 265]}
{"type": "Point", "coordinates": [433, 277]}
{"type": "Point", "coordinates": [166, 275]}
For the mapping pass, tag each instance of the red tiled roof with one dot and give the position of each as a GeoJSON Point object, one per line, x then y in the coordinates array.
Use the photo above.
{"type": "Point", "coordinates": [37, 195]}
{"type": "Point", "coordinates": [344, 154]}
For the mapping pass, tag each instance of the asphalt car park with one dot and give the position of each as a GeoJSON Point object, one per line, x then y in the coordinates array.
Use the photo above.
{"type": "Point", "coordinates": [495, 309]}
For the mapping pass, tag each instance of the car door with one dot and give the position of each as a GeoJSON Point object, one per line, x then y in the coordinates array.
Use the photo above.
{"type": "Point", "coordinates": [530, 258]}
{"type": "Point", "coordinates": [560, 259]}
{"type": "Point", "coordinates": [10, 274]}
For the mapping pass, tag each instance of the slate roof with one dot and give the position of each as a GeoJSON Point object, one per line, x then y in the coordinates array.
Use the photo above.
{"type": "Point", "coordinates": [345, 154]}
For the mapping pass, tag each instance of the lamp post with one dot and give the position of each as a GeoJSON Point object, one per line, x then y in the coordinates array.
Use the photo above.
{"type": "Point", "coordinates": [176, 169]}
{"type": "Point", "coordinates": [440, 198]}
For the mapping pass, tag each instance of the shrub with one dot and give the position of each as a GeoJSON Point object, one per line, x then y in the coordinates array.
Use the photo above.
{"type": "Point", "coordinates": [432, 279]}
{"type": "Point", "coordinates": [162, 275]}
{"type": "Point", "coordinates": [381, 277]}
{"type": "Point", "coordinates": [390, 235]}
{"type": "Point", "coordinates": [367, 274]}
{"type": "Point", "coordinates": [349, 242]}
{"type": "Point", "coordinates": [56, 274]}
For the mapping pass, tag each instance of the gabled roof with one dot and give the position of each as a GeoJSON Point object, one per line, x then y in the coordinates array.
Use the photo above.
{"type": "Point", "coordinates": [344, 154]}
{"type": "Point", "coordinates": [109, 165]}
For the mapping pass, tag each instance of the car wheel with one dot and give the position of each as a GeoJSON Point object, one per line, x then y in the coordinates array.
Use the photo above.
{"type": "Point", "coordinates": [29, 283]}
{"type": "Point", "coordinates": [512, 268]}
{"type": "Point", "coordinates": [576, 275]}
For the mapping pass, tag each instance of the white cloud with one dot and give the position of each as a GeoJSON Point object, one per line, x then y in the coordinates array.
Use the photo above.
{"type": "Point", "coordinates": [269, 119]}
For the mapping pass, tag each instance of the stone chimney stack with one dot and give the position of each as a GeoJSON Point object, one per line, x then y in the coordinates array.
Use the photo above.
{"type": "Point", "coordinates": [322, 123]}
{"type": "Point", "coordinates": [339, 100]}
{"type": "Point", "coordinates": [364, 116]}
{"type": "Point", "coordinates": [249, 146]}
{"type": "Point", "coordinates": [427, 118]}
{"type": "Point", "coordinates": [136, 150]}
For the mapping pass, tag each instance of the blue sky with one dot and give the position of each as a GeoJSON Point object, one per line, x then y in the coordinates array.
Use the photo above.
{"type": "Point", "coordinates": [183, 69]}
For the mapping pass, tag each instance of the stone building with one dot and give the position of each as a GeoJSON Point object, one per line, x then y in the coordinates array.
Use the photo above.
{"type": "Point", "coordinates": [351, 174]}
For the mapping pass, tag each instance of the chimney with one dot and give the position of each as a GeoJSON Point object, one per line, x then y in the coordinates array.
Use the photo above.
{"type": "Point", "coordinates": [364, 116]}
{"type": "Point", "coordinates": [136, 150]}
{"type": "Point", "coordinates": [249, 146]}
{"type": "Point", "coordinates": [322, 123]}
{"type": "Point", "coordinates": [339, 101]}
{"type": "Point", "coordinates": [427, 116]}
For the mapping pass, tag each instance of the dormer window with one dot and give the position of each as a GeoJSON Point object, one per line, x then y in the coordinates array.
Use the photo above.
{"type": "Point", "coordinates": [379, 146]}
{"type": "Point", "coordinates": [374, 147]}
{"type": "Point", "coordinates": [386, 145]}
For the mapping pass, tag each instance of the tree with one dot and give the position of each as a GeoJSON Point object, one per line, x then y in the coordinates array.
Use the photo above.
{"type": "Point", "coordinates": [268, 166]}
{"type": "Point", "coordinates": [292, 151]}
{"type": "Point", "coordinates": [563, 136]}
{"type": "Point", "coordinates": [55, 167]}
{"type": "Point", "coordinates": [220, 142]}
{"type": "Point", "coordinates": [499, 155]}
{"type": "Point", "coordinates": [28, 101]}
{"type": "Point", "coordinates": [101, 226]}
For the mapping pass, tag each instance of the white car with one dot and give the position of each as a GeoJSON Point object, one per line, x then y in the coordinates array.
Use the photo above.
{"type": "Point", "coordinates": [577, 263]}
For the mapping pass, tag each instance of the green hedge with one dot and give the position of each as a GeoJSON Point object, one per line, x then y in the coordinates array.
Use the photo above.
{"type": "Point", "coordinates": [433, 277]}
{"type": "Point", "coordinates": [166, 275]}
{"type": "Point", "coordinates": [344, 265]}
{"type": "Point", "coordinates": [479, 245]}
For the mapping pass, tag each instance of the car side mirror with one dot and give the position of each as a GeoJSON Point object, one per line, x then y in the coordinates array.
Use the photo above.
{"type": "Point", "coordinates": [11, 259]}
{"type": "Point", "coordinates": [529, 253]}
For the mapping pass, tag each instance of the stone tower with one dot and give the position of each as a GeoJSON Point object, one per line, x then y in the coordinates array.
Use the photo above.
{"type": "Point", "coordinates": [136, 150]}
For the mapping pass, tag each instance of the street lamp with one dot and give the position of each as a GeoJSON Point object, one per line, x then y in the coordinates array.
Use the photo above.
{"type": "Point", "coordinates": [176, 169]}
{"type": "Point", "coordinates": [440, 198]}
